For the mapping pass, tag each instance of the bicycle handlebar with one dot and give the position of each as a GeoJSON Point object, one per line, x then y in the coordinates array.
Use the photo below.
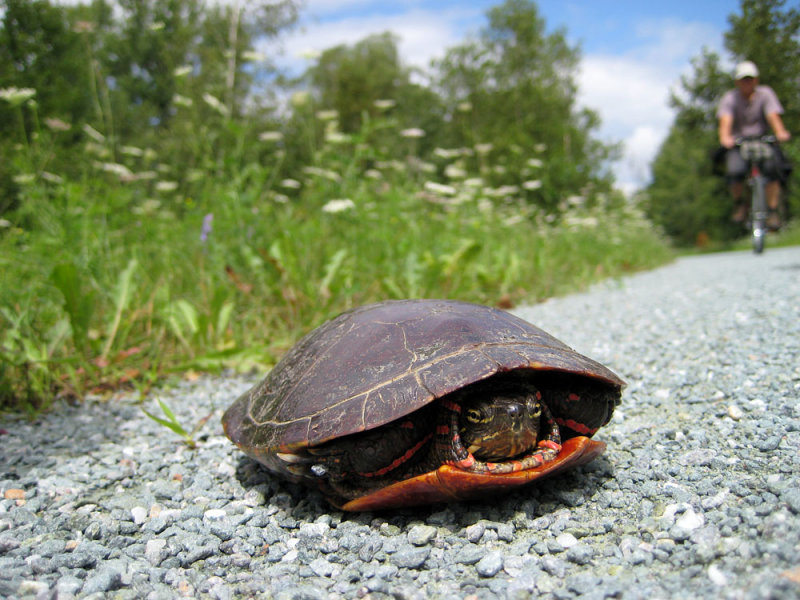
{"type": "Point", "coordinates": [767, 139]}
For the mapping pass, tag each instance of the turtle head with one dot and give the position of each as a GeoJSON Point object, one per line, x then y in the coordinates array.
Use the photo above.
{"type": "Point", "coordinates": [502, 425]}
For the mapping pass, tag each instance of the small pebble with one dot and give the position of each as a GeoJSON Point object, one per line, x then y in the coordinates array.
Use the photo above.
{"type": "Point", "coordinates": [734, 412]}
{"type": "Point", "coordinates": [490, 564]}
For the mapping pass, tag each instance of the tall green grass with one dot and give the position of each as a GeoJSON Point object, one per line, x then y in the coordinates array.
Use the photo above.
{"type": "Point", "coordinates": [106, 282]}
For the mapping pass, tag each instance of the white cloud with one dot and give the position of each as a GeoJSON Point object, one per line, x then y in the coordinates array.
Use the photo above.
{"type": "Point", "coordinates": [423, 33]}
{"type": "Point", "coordinates": [631, 91]}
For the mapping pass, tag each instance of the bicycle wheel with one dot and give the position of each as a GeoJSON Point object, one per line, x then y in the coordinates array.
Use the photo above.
{"type": "Point", "coordinates": [759, 214]}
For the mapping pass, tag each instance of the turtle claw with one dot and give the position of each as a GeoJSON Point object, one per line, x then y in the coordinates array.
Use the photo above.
{"type": "Point", "coordinates": [291, 458]}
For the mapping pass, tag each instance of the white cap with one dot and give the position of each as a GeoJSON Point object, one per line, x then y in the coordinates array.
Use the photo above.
{"type": "Point", "coordinates": [745, 69]}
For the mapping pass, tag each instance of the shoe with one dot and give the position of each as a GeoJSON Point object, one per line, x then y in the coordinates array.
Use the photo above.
{"type": "Point", "coordinates": [740, 214]}
{"type": "Point", "coordinates": [773, 221]}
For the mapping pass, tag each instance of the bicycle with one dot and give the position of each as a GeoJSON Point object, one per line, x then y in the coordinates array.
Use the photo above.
{"type": "Point", "coordinates": [755, 150]}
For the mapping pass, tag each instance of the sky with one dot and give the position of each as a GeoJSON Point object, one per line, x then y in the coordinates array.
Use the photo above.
{"type": "Point", "coordinates": [633, 52]}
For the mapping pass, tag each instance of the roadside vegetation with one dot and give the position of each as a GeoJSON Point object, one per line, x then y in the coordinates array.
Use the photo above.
{"type": "Point", "coordinates": [170, 204]}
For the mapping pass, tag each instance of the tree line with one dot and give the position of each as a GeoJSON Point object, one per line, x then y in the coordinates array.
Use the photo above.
{"type": "Point", "coordinates": [176, 87]}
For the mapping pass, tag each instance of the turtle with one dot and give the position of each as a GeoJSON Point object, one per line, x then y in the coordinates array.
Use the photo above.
{"type": "Point", "coordinates": [409, 402]}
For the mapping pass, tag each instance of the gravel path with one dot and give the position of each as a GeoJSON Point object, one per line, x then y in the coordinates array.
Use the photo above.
{"type": "Point", "coordinates": [698, 494]}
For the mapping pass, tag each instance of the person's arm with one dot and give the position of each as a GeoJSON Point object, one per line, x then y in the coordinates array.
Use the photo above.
{"type": "Point", "coordinates": [776, 123]}
{"type": "Point", "coordinates": [725, 131]}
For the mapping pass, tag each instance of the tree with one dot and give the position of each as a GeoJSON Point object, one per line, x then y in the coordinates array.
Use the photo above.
{"type": "Point", "coordinates": [145, 74]}
{"type": "Point", "coordinates": [514, 88]}
{"type": "Point", "coordinates": [40, 50]}
{"type": "Point", "coordinates": [680, 197]}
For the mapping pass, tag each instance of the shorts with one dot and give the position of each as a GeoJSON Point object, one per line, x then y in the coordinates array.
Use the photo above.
{"type": "Point", "coordinates": [736, 167]}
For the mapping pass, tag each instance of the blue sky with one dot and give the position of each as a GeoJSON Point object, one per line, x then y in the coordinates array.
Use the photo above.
{"type": "Point", "coordinates": [633, 52]}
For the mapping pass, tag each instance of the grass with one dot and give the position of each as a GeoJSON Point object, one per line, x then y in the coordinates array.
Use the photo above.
{"type": "Point", "coordinates": [107, 282]}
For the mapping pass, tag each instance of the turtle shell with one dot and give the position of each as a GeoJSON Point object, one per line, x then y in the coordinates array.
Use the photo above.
{"type": "Point", "coordinates": [377, 363]}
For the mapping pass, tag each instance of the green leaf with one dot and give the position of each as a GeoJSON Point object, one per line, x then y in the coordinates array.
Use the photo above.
{"type": "Point", "coordinates": [331, 269]}
{"type": "Point", "coordinates": [78, 301]}
{"type": "Point", "coordinates": [168, 424]}
{"type": "Point", "coordinates": [122, 297]}
{"type": "Point", "coordinates": [167, 411]}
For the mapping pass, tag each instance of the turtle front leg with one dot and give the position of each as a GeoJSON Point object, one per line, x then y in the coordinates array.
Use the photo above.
{"type": "Point", "coordinates": [375, 458]}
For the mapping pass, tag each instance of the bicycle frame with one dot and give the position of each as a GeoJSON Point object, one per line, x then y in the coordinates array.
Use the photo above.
{"type": "Point", "coordinates": [755, 151]}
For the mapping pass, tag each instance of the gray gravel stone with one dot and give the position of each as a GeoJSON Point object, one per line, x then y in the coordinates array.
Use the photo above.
{"type": "Point", "coordinates": [421, 535]}
{"type": "Point", "coordinates": [490, 564]}
{"type": "Point", "coordinates": [697, 487]}
{"type": "Point", "coordinates": [410, 558]}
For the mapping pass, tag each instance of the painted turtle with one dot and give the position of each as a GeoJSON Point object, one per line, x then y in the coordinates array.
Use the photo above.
{"type": "Point", "coordinates": [414, 401]}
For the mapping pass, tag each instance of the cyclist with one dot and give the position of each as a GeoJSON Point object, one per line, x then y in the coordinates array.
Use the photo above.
{"type": "Point", "coordinates": [751, 110]}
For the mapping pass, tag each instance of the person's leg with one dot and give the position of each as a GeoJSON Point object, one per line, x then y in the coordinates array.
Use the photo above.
{"type": "Point", "coordinates": [735, 170]}
{"type": "Point", "coordinates": [773, 189]}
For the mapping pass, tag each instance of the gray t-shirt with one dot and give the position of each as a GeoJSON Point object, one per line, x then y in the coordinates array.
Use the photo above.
{"type": "Point", "coordinates": [749, 117]}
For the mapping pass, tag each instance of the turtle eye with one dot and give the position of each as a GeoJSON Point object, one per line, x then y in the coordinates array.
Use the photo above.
{"type": "Point", "coordinates": [474, 415]}
{"type": "Point", "coordinates": [534, 408]}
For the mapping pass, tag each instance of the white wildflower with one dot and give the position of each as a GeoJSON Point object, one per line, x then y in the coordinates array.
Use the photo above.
{"type": "Point", "coordinates": [325, 173]}
{"type": "Point", "coordinates": [474, 182]}
{"type": "Point", "coordinates": [533, 184]}
{"type": "Point", "coordinates": [535, 162]}
{"type": "Point", "coordinates": [215, 103]}
{"type": "Point", "coordinates": [300, 99]}
{"type": "Point", "coordinates": [540, 147]}
{"type": "Point", "coordinates": [447, 153]}
{"type": "Point", "coordinates": [501, 192]}
{"type": "Point", "coordinates": [5, 223]}
{"type": "Point", "coordinates": [270, 136]}
{"type": "Point", "coordinates": [576, 200]}
{"type": "Point", "coordinates": [412, 132]}
{"type": "Point", "coordinates": [280, 198]}
{"type": "Point", "coordinates": [327, 115]}
{"type": "Point", "coordinates": [338, 205]}
{"type": "Point", "coordinates": [57, 124]}
{"type": "Point", "coordinates": [291, 184]}
{"type": "Point", "coordinates": [157, 26]}
{"type": "Point", "coordinates": [581, 222]}
{"type": "Point", "coordinates": [384, 104]}
{"type": "Point", "coordinates": [147, 207]}
{"type": "Point", "coordinates": [183, 70]}
{"type": "Point", "coordinates": [94, 134]}
{"type": "Point", "coordinates": [454, 172]}
{"type": "Point", "coordinates": [393, 165]}
{"type": "Point", "coordinates": [52, 177]}
{"type": "Point", "coordinates": [336, 137]}
{"type": "Point", "coordinates": [132, 151]}
{"type": "Point", "coordinates": [373, 174]}
{"type": "Point", "coordinates": [483, 149]}
{"type": "Point", "coordinates": [24, 178]}
{"type": "Point", "coordinates": [180, 100]}
{"type": "Point", "coordinates": [97, 150]}
{"type": "Point", "coordinates": [17, 96]}
{"type": "Point", "coordinates": [117, 169]}
{"type": "Point", "coordinates": [513, 220]}
{"type": "Point", "coordinates": [423, 166]}
{"type": "Point", "coordinates": [464, 106]}
{"type": "Point", "coordinates": [166, 186]}
{"type": "Point", "coordinates": [439, 188]}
